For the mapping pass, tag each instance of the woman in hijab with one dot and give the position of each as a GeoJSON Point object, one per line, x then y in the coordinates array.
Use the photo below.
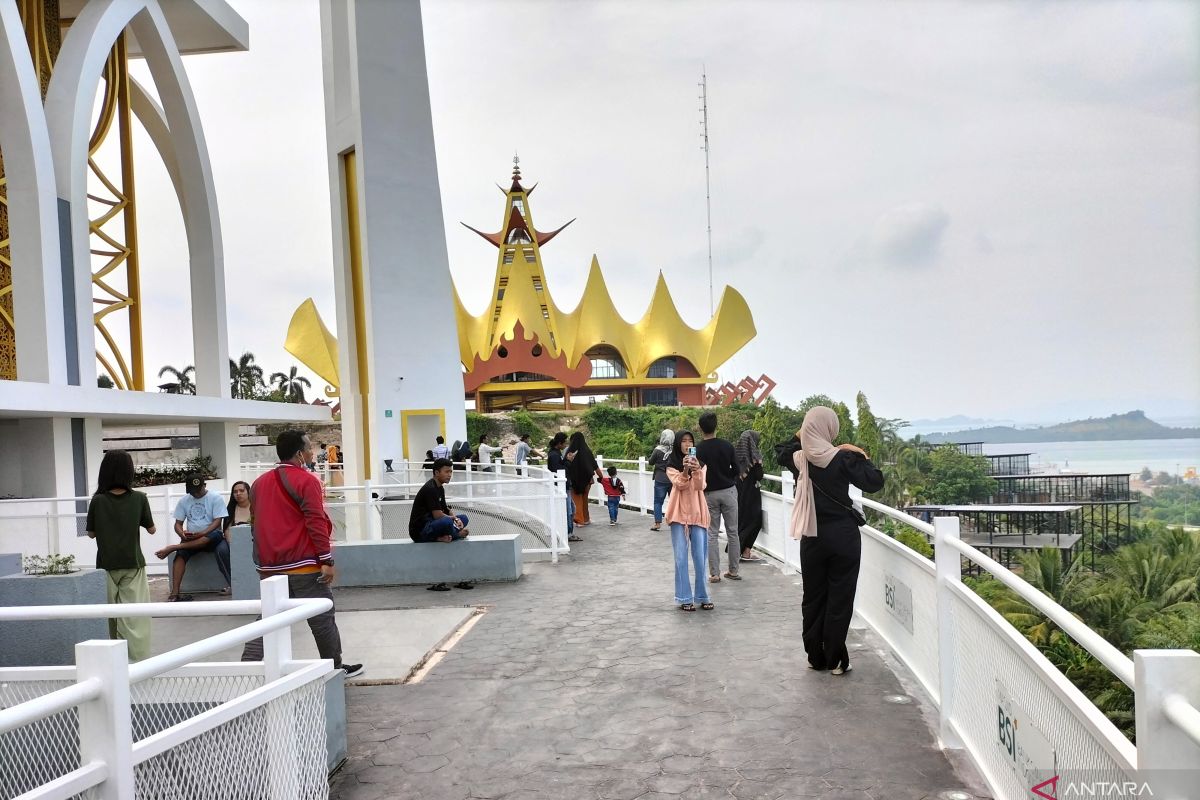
{"type": "Point", "coordinates": [662, 484]}
{"type": "Point", "coordinates": [581, 466]}
{"type": "Point", "coordinates": [750, 471]}
{"type": "Point", "coordinates": [826, 523]}
{"type": "Point", "coordinates": [687, 514]}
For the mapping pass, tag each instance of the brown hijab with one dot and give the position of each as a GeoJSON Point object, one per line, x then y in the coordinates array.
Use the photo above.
{"type": "Point", "coordinates": [817, 433]}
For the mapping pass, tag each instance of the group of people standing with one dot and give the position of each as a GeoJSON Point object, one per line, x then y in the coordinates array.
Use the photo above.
{"type": "Point", "coordinates": [704, 483]}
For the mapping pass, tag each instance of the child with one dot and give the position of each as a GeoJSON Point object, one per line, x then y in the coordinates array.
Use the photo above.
{"type": "Point", "coordinates": [614, 491]}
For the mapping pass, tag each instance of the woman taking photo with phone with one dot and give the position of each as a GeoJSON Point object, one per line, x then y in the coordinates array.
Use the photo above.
{"type": "Point", "coordinates": [826, 523]}
{"type": "Point", "coordinates": [687, 514]}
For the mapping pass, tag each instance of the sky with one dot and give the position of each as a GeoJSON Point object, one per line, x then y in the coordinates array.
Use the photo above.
{"type": "Point", "coordinates": [990, 209]}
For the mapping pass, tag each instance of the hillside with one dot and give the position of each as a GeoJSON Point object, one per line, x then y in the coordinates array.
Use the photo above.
{"type": "Point", "coordinates": [1132, 425]}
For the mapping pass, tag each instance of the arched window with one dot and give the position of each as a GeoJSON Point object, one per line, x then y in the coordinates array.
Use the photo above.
{"type": "Point", "coordinates": [664, 367]}
{"type": "Point", "coordinates": [606, 362]}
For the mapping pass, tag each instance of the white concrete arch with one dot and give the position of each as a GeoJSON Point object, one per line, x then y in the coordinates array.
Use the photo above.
{"type": "Point", "coordinates": [32, 212]}
{"type": "Point", "coordinates": [154, 121]}
{"type": "Point", "coordinates": [68, 111]}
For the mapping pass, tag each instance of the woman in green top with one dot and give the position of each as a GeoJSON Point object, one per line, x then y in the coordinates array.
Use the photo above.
{"type": "Point", "coordinates": [114, 516]}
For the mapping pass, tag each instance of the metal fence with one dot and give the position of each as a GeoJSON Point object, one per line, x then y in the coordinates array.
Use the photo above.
{"type": "Point", "coordinates": [166, 727]}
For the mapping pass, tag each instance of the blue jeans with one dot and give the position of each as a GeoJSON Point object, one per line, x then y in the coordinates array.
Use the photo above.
{"type": "Point", "coordinates": [220, 550]}
{"type": "Point", "coordinates": [570, 514]}
{"type": "Point", "coordinates": [681, 536]}
{"type": "Point", "coordinates": [661, 490]}
{"type": "Point", "coordinates": [613, 504]}
{"type": "Point", "coordinates": [442, 526]}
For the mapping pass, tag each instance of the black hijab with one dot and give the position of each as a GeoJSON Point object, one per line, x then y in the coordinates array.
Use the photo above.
{"type": "Point", "coordinates": [580, 469]}
{"type": "Point", "coordinates": [677, 454]}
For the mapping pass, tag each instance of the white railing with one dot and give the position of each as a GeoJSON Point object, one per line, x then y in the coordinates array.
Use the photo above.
{"type": "Point", "coordinates": [998, 697]}
{"type": "Point", "coordinates": [529, 501]}
{"type": "Point", "coordinates": [55, 525]}
{"type": "Point", "coordinates": [166, 726]}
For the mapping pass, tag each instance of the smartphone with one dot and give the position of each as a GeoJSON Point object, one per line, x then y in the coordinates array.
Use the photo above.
{"type": "Point", "coordinates": [691, 451]}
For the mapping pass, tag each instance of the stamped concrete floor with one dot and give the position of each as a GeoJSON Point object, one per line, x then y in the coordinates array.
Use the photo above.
{"type": "Point", "coordinates": [584, 680]}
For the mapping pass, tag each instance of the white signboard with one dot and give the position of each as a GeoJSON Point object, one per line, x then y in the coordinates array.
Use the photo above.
{"type": "Point", "coordinates": [898, 599]}
{"type": "Point", "coordinates": [1023, 746]}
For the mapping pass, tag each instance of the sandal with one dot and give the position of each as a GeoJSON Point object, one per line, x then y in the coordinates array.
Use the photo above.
{"type": "Point", "coordinates": [179, 598]}
{"type": "Point", "coordinates": [438, 587]}
{"type": "Point", "coordinates": [687, 607]}
{"type": "Point", "coordinates": [464, 585]}
{"type": "Point", "coordinates": [707, 606]}
{"type": "Point", "coordinates": [714, 578]}
{"type": "Point", "coordinates": [733, 577]}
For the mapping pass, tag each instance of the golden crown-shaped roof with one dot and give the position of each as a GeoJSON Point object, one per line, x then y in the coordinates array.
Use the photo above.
{"type": "Point", "coordinates": [522, 298]}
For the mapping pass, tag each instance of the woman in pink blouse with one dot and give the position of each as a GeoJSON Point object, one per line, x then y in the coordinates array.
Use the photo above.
{"type": "Point", "coordinates": [687, 514]}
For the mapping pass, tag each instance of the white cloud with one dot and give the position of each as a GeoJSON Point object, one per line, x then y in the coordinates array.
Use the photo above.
{"type": "Point", "coordinates": [906, 236]}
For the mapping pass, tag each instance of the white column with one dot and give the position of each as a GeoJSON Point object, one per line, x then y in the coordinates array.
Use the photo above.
{"type": "Point", "coordinates": [949, 570]}
{"type": "Point", "coordinates": [1167, 758]}
{"type": "Point", "coordinates": [105, 724]}
{"type": "Point", "coordinates": [219, 441]}
{"type": "Point", "coordinates": [377, 105]}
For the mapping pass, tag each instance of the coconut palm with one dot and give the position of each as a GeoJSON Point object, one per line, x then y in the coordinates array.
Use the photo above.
{"type": "Point", "coordinates": [291, 385]}
{"type": "Point", "coordinates": [183, 378]}
{"type": "Point", "coordinates": [245, 377]}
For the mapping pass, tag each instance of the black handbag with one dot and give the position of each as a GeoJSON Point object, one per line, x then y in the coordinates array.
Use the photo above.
{"type": "Point", "coordinates": [854, 512]}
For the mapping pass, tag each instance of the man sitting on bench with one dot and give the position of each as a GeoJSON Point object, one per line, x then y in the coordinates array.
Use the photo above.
{"type": "Point", "coordinates": [203, 513]}
{"type": "Point", "coordinates": [431, 520]}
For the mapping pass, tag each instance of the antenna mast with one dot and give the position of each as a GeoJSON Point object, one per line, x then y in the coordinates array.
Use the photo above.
{"type": "Point", "coordinates": [707, 186]}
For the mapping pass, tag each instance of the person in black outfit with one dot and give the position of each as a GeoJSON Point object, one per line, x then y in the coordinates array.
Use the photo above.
{"type": "Point", "coordinates": [431, 519]}
{"type": "Point", "coordinates": [750, 472]}
{"type": "Point", "coordinates": [556, 462]}
{"type": "Point", "coordinates": [720, 491]}
{"type": "Point", "coordinates": [581, 467]}
{"type": "Point", "coordinates": [825, 521]}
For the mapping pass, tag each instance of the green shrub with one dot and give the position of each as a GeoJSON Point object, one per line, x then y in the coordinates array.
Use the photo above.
{"type": "Point", "coordinates": [53, 564]}
{"type": "Point", "coordinates": [160, 476]}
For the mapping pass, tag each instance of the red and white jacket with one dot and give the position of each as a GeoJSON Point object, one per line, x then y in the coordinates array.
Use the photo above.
{"type": "Point", "coordinates": [292, 531]}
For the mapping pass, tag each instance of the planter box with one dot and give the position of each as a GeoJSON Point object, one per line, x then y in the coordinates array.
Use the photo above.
{"type": "Point", "coordinates": [50, 642]}
{"type": "Point", "coordinates": [10, 563]}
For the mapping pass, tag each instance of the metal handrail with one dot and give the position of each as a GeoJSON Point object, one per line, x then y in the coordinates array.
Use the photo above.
{"type": "Point", "coordinates": [899, 516]}
{"type": "Point", "coordinates": [49, 704]}
{"type": "Point", "coordinates": [1184, 715]}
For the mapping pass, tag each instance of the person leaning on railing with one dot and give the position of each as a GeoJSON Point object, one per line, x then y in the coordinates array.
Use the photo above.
{"type": "Point", "coordinates": [292, 534]}
{"type": "Point", "coordinates": [115, 516]}
{"type": "Point", "coordinates": [826, 523]}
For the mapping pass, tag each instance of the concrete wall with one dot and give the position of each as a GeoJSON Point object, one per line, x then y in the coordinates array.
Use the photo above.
{"type": "Point", "coordinates": [50, 642]}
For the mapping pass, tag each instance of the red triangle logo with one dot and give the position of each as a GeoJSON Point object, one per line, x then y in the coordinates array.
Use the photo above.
{"type": "Point", "coordinates": [1052, 783]}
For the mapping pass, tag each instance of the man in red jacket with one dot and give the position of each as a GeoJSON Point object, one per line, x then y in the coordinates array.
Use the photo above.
{"type": "Point", "coordinates": [292, 538]}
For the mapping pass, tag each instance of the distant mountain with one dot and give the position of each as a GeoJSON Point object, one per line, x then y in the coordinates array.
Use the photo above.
{"type": "Point", "coordinates": [1132, 425]}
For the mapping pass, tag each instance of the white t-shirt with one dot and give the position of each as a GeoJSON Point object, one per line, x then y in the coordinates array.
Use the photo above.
{"type": "Point", "coordinates": [485, 453]}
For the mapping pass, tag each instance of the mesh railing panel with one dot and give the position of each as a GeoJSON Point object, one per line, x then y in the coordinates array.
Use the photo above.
{"type": "Point", "coordinates": [896, 592]}
{"type": "Point", "coordinates": [234, 760]}
{"type": "Point", "coordinates": [42, 751]}
{"type": "Point", "coordinates": [160, 703]}
{"type": "Point", "coordinates": [997, 673]}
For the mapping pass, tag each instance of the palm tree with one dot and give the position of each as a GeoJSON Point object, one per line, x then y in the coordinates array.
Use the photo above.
{"type": "Point", "coordinates": [183, 378]}
{"type": "Point", "coordinates": [245, 377]}
{"type": "Point", "coordinates": [291, 385]}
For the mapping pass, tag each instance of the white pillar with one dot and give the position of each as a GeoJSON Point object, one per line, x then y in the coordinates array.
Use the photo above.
{"type": "Point", "coordinates": [1167, 758]}
{"type": "Point", "coordinates": [105, 724]}
{"type": "Point", "coordinates": [948, 563]}
{"type": "Point", "coordinates": [219, 441]}
{"type": "Point", "coordinates": [396, 317]}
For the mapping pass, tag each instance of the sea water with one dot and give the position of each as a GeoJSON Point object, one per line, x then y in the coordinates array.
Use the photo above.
{"type": "Point", "coordinates": [1173, 456]}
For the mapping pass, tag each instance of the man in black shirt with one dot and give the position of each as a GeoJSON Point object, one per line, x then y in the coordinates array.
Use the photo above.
{"type": "Point", "coordinates": [721, 493]}
{"type": "Point", "coordinates": [556, 462]}
{"type": "Point", "coordinates": [431, 520]}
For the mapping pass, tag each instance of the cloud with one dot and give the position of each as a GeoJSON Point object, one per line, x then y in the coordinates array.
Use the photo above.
{"type": "Point", "coordinates": [909, 235]}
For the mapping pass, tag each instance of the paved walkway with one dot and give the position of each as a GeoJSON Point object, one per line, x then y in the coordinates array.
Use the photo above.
{"type": "Point", "coordinates": [584, 681]}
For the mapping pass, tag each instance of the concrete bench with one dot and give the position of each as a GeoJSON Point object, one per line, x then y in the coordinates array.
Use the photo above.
{"type": "Point", "coordinates": [203, 575]}
{"type": "Point", "coordinates": [400, 562]}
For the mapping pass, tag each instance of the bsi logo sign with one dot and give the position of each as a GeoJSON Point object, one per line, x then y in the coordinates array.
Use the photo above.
{"type": "Point", "coordinates": [897, 598]}
{"type": "Point", "coordinates": [1023, 747]}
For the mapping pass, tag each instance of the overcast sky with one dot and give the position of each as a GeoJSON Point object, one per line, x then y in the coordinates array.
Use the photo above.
{"type": "Point", "coordinates": [982, 208]}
